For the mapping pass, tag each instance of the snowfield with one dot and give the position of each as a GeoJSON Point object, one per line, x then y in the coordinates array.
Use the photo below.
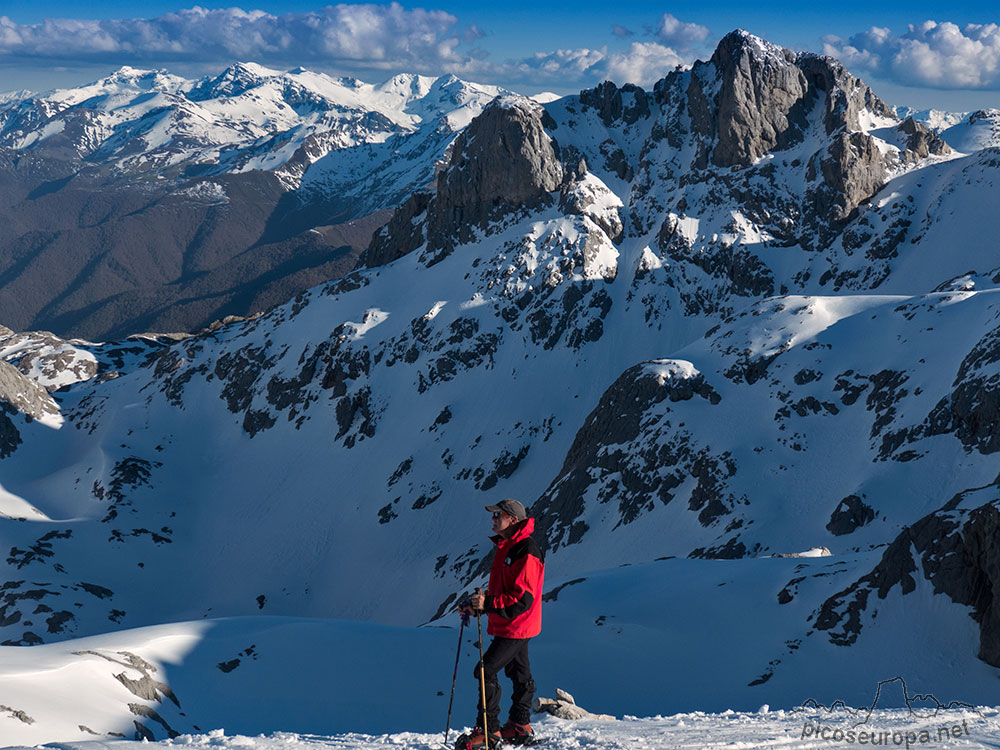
{"type": "Point", "coordinates": [671, 637]}
{"type": "Point", "coordinates": [732, 730]}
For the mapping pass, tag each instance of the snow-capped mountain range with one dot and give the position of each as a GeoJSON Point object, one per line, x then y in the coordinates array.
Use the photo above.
{"type": "Point", "coordinates": [247, 118]}
{"type": "Point", "coordinates": [145, 201]}
{"type": "Point", "coordinates": [746, 313]}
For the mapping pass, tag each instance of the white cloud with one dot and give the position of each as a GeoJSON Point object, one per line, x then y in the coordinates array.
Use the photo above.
{"type": "Point", "coordinates": [374, 35]}
{"type": "Point", "coordinates": [355, 38]}
{"type": "Point", "coordinates": [932, 54]}
{"type": "Point", "coordinates": [679, 34]}
{"type": "Point", "coordinates": [643, 63]}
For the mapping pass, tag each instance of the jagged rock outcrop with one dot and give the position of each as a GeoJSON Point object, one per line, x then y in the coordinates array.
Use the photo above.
{"type": "Point", "coordinates": [612, 106]}
{"type": "Point", "coordinates": [853, 170]}
{"type": "Point", "coordinates": [19, 395]}
{"type": "Point", "coordinates": [404, 233]}
{"type": "Point", "coordinates": [754, 98]}
{"type": "Point", "coordinates": [504, 158]}
{"type": "Point", "coordinates": [24, 394]}
{"type": "Point", "coordinates": [957, 550]}
{"type": "Point", "coordinates": [921, 142]}
{"type": "Point", "coordinates": [764, 96]}
{"type": "Point", "coordinates": [850, 515]}
{"type": "Point", "coordinates": [621, 448]}
{"type": "Point", "coordinates": [972, 410]}
{"type": "Point", "coordinates": [503, 161]}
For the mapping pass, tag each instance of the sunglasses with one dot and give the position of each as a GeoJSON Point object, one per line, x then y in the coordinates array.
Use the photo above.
{"type": "Point", "coordinates": [497, 514]}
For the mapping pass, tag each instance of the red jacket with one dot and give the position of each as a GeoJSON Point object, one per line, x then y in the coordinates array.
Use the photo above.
{"type": "Point", "coordinates": [514, 596]}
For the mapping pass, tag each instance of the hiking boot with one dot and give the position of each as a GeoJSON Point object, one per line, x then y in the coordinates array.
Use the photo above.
{"type": "Point", "coordinates": [517, 734]}
{"type": "Point", "coordinates": [477, 739]}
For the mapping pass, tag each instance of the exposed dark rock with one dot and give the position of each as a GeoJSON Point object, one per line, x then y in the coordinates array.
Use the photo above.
{"type": "Point", "coordinates": [228, 666]}
{"type": "Point", "coordinates": [127, 474]}
{"type": "Point", "coordinates": [921, 141]}
{"type": "Point", "coordinates": [850, 515]}
{"type": "Point", "coordinates": [765, 94]}
{"type": "Point", "coordinates": [17, 714]}
{"type": "Point", "coordinates": [755, 107]}
{"type": "Point", "coordinates": [853, 170]}
{"type": "Point", "coordinates": [39, 552]}
{"type": "Point", "coordinates": [612, 107]}
{"type": "Point", "coordinates": [57, 622]}
{"type": "Point", "coordinates": [402, 235]}
{"type": "Point", "coordinates": [972, 410]}
{"type": "Point", "coordinates": [503, 467]}
{"type": "Point", "coordinates": [146, 687]}
{"type": "Point", "coordinates": [504, 160]}
{"type": "Point", "coordinates": [146, 712]}
{"type": "Point", "coordinates": [10, 436]}
{"type": "Point", "coordinates": [613, 442]}
{"type": "Point", "coordinates": [552, 595]}
{"type": "Point", "coordinates": [23, 394]}
{"type": "Point", "coordinates": [958, 551]}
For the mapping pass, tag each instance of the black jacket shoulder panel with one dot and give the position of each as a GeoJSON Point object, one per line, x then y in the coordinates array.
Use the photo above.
{"type": "Point", "coordinates": [526, 547]}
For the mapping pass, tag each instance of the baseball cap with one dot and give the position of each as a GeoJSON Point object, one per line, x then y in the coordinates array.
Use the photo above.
{"type": "Point", "coordinates": [510, 507]}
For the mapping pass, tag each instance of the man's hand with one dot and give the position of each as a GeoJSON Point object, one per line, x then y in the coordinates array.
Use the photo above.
{"type": "Point", "coordinates": [473, 605]}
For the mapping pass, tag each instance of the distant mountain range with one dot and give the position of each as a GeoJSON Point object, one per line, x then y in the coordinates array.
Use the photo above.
{"type": "Point", "coordinates": [145, 201]}
{"type": "Point", "coordinates": [746, 312]}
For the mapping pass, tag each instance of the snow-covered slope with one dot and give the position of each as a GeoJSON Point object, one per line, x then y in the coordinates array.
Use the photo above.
{"type": "Point", "coordinates": [711, 322]}
{"type": "Point", "coordinates": [935, 119]}
{"type": "Point", "coordinates": [977, 131]}
{"type": "Point", "coordinates": [247, 676]}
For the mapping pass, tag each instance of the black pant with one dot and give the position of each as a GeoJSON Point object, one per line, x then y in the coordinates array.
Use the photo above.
{"type": "Point", "coordinates": [510, 655]}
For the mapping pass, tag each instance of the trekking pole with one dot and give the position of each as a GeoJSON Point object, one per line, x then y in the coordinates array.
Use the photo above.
{"type": "Point", "coordinates": [482, 672]}
{"type": "Point", "coordinates": [451, 701]}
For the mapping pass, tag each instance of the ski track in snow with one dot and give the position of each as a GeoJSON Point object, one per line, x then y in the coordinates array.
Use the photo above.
{"type": "Point", "coordinates": [789, 730]}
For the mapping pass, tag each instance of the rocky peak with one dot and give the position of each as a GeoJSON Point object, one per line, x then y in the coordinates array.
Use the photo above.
{"type": "Point", "coordinates": [753, 97]}
{"type": "Point", "coordinates": [846, 97]}
{"type": "Point", "coordinates": [233, 81]}
{"type": "Point", "coordinates": [628, 103]}
{"type": "Point", "coordinates": [504, 160]}
{"type": "Point", "coordinates": [984, 114]}
{"type": "Point", "coordinates": [505, 157]}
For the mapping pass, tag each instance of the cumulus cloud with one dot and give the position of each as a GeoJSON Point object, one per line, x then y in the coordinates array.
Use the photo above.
{"type": "Point", "coordinates": [373, 35]}
{"type": "Point", "coordinates": [349, 37]}
{"type": "Point", "coordinates": [642, 63]}
{"type": "Point", "coordinates": [679, 34]}
{"type": "Point", "coordinates": [932, 54]}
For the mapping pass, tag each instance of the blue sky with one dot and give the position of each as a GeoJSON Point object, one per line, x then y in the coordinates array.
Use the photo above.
{"type": "Point", "coordinates": [915, 53]}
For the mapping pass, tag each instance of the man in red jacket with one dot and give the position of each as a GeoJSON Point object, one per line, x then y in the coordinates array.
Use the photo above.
{"type": "Point", "coordinates": [513, 604]}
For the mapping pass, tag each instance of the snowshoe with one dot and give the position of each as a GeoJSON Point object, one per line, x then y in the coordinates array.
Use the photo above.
{"type": "Point", "coordinates": [477, 739]}
{"type": "Point", "coordinates": [518, 734]}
